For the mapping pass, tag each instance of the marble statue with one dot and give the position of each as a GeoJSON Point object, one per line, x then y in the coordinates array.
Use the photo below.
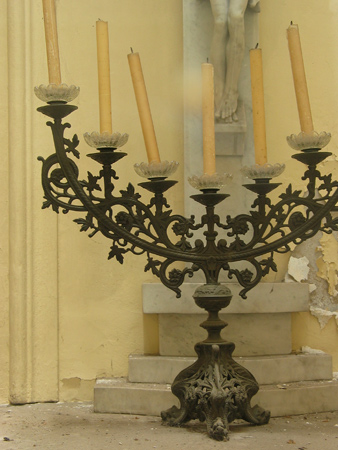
{"type": "Point", "coordinates": [227, 51]}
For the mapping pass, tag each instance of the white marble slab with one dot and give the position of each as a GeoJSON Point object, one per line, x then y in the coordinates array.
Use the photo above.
{"type": "Point", "coordinates": [277, 369]}
{"type": "Point", "coordinates": [116, 395]}
{"type": "Point", "coordinates": [264, 298]}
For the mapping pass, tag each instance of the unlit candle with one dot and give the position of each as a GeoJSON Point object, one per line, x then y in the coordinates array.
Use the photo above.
{"type": "Point", "coordinates": [258, 110]}
{"type": "Point", "coordinates": [299, 79]}
{"type": "Point", "coordinates": [52, 45]}
{"type": "Point", "coordinates": [143, 107]}
{"type": "Point", "coordinates": [208, 116]}
{"type": "Point", "coordinates": [103, 67]}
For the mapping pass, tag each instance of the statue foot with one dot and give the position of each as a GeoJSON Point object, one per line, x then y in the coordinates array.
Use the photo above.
{"type": "Point", "coordinates": [227, 107]}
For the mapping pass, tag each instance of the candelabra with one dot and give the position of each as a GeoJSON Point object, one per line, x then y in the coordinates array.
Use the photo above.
{"type": "Point", "coordinates": [215, 388]}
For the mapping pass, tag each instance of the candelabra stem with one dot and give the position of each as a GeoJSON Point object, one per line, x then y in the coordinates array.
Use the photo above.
{"type": "Point", "coordinates": [215, 388]}
{"type": "Point", "coordinates": [108, 186]}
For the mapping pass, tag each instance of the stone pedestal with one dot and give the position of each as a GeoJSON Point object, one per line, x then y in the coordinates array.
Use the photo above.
{"type": "Point", "coordinates": [253, 334]}
{"type": "Point", "coordinates": [259, 325]}
{"type": "Point", "coordinates": [289, 383]}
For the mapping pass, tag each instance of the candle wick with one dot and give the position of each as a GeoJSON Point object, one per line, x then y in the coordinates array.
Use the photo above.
{"type": "Point", "coordinates": [208, 60]}
{"type": "Point", "coordinates": [256, 45]}
{"type": "Point", "coordinates": [131, 48]}
{"type": "Point", "coordinates": [291, 23]}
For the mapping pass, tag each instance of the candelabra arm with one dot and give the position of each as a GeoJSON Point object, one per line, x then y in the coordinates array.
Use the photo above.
{"type": "Point", "coordinates": [118, 230]}
{"type": "Point", "coordinates": [57, 190]}
{"type": "Point", "coordinates": [56, 187]}
{"type": "Point", "coordinates": [141, 228]}
{"type": "Point", "coordinates": [69, 171]}
{"type": "Point", "coordinates": [308, 228]}
{"type": "Point", "coordinates": [285, 221]}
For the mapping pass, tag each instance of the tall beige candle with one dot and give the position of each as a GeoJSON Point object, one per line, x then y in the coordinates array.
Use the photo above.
{"type": "Point", "coordinates": [299, 79]}
{"type": "Point", "coordinates": [143, 107]}
{"type": "Point", "coordinates": [52, 45]}
{"type": "Point", "coordinates": [258, 110]}
{"type": "Point", "coordinates": [208, 116]}
{"type": "Point", "coordinates": [103, 68]}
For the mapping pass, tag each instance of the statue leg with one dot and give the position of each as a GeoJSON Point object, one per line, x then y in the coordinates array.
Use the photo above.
{"type": "Point", "coordinates": [218, 49]}
{"type": "Point", "coordinates": [234, 55]}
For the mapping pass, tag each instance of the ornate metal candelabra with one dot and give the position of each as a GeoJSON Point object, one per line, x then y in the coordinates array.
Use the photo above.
{"type": "Point", "coordinates": [215, 388]}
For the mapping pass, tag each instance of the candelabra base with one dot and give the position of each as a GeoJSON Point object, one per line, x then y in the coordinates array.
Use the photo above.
{"type": "Point", "coordinates": [217, 390]}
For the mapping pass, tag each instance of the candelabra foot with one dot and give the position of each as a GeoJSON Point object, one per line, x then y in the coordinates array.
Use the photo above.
{"type": "Point", "coordinates": [217, 390]}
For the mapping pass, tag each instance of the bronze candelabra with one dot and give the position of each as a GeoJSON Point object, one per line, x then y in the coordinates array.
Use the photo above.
{"type": "Point", "coordinates": [215, 388]}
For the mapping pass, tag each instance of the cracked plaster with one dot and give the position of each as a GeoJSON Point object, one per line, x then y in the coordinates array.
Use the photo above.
{"type": "Point", "coordinates": [315, 261]}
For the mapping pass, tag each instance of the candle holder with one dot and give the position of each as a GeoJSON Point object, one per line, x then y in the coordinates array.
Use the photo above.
{"type": "Point", "coordinates": [309, 141]}
{"type": "Point", "coordinates": [206, 182]}
{"type": "Point", "coordinates": [265, 171]}
{"type": "Point", "coordinates": [56, 92]}
{"type": "Point", "coordinates": [105, 140]}
{"type": "Point", "coordinates": [154, 169]}
{"type": "Point", "coordinates": [215, 389]}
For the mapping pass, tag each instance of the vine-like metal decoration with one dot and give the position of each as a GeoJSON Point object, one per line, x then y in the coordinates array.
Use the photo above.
{"type": "Point", "coordinates": [215, 389]}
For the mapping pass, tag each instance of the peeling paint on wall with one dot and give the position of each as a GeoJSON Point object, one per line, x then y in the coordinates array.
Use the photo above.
{"type": "Point", "coordinates": [313, 351]}
{"type": "Point", "coordinates": [327, 263]}
{"type": "Point", "coordinates": [323, 315]}
{"type": "Point", "coordinates": [76, 389]}
{"type": "Point", "coordinates": [298, 269]}
{"type": "Point", "coordinates": [316, 263]}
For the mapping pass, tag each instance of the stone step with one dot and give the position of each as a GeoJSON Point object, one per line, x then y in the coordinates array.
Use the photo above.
{"type": "Point", "coordinates": [118, 396]}
{"type": "Point", "coordinates": [266, 369]}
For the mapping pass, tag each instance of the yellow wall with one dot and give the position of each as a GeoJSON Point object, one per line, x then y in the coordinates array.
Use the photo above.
{"type": "Point", "coordinates": [101, 322]}
{"type": "Point", "coordinates": [4, 304]}
{"type": "Point", "coordinates": [81, 313]}
{"type": "Point", "coordinates": [307, 332]}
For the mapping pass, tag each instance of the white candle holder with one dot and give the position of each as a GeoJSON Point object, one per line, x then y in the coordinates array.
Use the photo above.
{"type": "Point", "coordinates": [206, 181]}
{"type": "Point", "coordinates": [266, 171]}
{"type": "Point", "coordinates": [154, 169]}
{"type": "Point", "coordinates": [56, 92]}
{"type": "Point", "coordinates": [308, 141]}
{"type": "Point", "coordinates": [105, 140]}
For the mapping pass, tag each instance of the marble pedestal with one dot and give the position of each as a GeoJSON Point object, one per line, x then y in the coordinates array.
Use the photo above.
{"type": "Point", "coordinates": [259, 325]}
{"type": "Point", "coordinates": [289, 383]}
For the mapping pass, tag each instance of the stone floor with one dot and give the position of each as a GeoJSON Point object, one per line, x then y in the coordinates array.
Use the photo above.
{"type": "Point", "coordinates": [71, 426]}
